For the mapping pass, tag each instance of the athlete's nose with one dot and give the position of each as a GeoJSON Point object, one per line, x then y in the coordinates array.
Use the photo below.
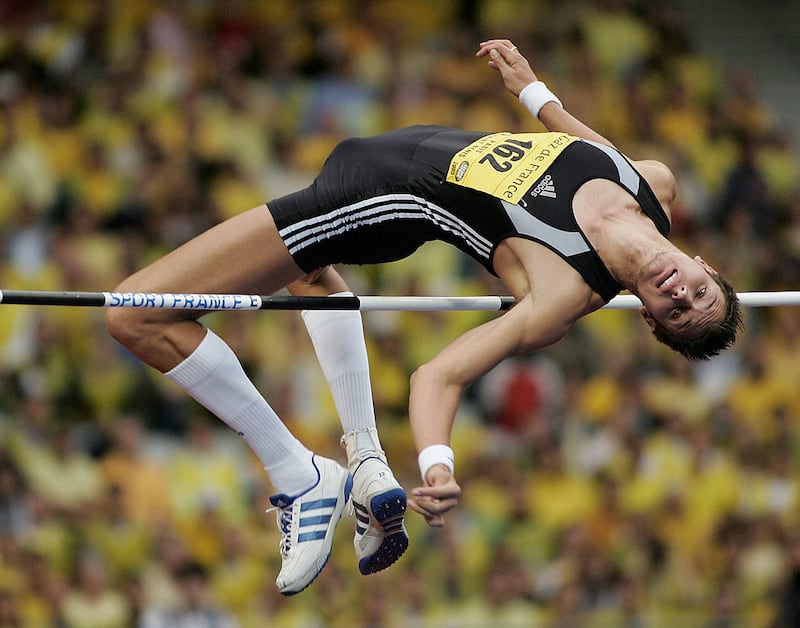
{"type": "Point", "coordinates": [679, 292]}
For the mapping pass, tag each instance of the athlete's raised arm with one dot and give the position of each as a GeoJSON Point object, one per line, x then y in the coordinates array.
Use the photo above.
{"type": "Point", "coordinates": [522, 81]}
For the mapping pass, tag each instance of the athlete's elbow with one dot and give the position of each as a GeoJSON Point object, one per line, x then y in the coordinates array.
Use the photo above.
{"type": "Point", "coordinates": [533, 340]}
{"type": "Point", "coordinates": [432, 376]}
{"type": "Point", "coordinates": [424, 374]}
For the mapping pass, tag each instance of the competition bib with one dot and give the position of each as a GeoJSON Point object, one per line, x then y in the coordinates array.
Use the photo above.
{"type": "Point", "coordinates": [505, 164]}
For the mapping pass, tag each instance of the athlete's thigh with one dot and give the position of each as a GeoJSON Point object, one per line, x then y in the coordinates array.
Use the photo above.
{"type": "Point", "coordinates": [243, 255]}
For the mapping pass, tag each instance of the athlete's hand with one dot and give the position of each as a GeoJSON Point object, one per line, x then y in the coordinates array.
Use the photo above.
{"type": "Point", "coordinates": [439, 495]}
{"type": "Point", "coordinates": [506, 59]}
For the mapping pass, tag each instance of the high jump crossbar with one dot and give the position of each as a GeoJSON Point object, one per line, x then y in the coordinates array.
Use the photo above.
{"type": "Point", "coordinates": [233, 302]}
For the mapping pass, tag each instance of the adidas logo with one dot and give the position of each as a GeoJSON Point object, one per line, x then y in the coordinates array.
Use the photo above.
{"type": "Point", "coordinates": [545, 187]}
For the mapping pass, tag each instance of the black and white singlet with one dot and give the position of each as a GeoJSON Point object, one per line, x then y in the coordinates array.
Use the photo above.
{"type": "Point", "coordinates": [378, 199]}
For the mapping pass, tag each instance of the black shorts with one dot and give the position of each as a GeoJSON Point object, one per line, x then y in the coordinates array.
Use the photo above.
{"type": "Point", "coordinates": [378, 199]}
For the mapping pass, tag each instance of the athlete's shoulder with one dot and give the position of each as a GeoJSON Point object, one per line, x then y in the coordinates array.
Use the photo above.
{"type": "Point", "coordinates": [661, 180]}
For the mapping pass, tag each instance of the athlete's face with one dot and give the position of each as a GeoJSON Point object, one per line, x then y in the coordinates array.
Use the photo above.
{"type": "Point", "coordinates": [680, 293]}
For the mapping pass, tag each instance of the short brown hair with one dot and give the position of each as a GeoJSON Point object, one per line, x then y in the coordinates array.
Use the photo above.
{"type": "Point", "coordinates": [717, 337]}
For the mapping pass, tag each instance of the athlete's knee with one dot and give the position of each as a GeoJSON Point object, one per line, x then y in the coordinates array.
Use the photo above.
{"type": "Point", "coordinates": [128, 325]}
{"type": "Point", "coordinates": [123, 325]}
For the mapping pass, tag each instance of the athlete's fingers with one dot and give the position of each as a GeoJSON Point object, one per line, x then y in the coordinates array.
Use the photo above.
{"type": "Point", "coordinates": [432, 502]}
{"type": "Point", "coordinates": [502, 55]}
{"type": "Point", "coordinates": [485, 46]}
{"type": "Point", "coordinates": [442, 492]}
{"type": "Point", "coordinates": [439, 494]}
{"type": "Point", "coordinates": [509, 62]}
{"type": "Point", "coordinates": [497, 56]}
{"type": "Point", "coordinates": [502, 45]}
{"type": "Point", "coordinates": [439, 484]}
{"type": "Point", "coordinates": [435, 520]}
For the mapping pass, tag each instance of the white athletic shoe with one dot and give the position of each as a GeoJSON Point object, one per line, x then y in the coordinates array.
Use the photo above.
{"type": "Point", "coordinates": [307, 523]}
{"type": "Point", "coordinates": [379, 505]}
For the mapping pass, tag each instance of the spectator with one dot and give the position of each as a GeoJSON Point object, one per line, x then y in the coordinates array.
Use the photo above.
{"type": "Point", "coordinates": [92, 601]}
{"type": "Point", "coordinates": [197, 608]}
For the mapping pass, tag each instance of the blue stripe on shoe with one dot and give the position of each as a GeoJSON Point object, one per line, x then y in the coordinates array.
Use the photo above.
{"type": "Point", "coordinates": [311, 536]}
{"type": "Point", "coordinates": [312, 521]}
{"type": "Point", "coordinates": [317, 520]}
{"type": "Point", "coordinates": [329, 502]}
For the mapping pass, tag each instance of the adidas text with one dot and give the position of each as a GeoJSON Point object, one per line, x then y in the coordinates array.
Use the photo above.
{"type": "Point", "coordinates": [545, 187]}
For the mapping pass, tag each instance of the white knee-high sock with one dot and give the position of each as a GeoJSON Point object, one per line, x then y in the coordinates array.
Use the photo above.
{"type": "Point", "coordinates": [338, 339]}
{"type": "Point", "coordinates": [214, 377]}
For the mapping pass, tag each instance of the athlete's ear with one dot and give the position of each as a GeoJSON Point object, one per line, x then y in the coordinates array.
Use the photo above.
{"type": "Point", "coordinates": [648, 318]}
{"type": "Point", "coordinates": [705, 265]}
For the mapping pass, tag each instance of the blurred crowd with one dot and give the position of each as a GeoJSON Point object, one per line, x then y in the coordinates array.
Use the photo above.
{"type": "Point", "coordinates": [605, 481]}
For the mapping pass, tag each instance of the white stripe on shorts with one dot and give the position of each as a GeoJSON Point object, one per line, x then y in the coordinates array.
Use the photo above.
{"type": "Point", "coordinates": [376, 210]}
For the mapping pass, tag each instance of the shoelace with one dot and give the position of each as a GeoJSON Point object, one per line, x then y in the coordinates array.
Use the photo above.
{"type": "Point", "coordinates": [284, 516]}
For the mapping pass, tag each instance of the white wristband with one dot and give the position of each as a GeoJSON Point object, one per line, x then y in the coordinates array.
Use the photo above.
{"type": "Point", "coordinates": [435, 454]}
{"type": "Point", "coordinates": [536, 95]}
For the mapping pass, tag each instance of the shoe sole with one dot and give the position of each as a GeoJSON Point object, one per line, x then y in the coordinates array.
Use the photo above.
{"type": "Point", "coordinates": [328, 543]}
{"type": "Point", "coordinates": [388, 510]}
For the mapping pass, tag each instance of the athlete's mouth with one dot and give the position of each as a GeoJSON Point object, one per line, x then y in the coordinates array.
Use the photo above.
{"type": "Point", "coordinates": [668, 280]}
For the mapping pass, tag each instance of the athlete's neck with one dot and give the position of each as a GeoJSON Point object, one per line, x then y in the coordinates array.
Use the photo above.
{"type": "Point", "coordinates": [626, 243]}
